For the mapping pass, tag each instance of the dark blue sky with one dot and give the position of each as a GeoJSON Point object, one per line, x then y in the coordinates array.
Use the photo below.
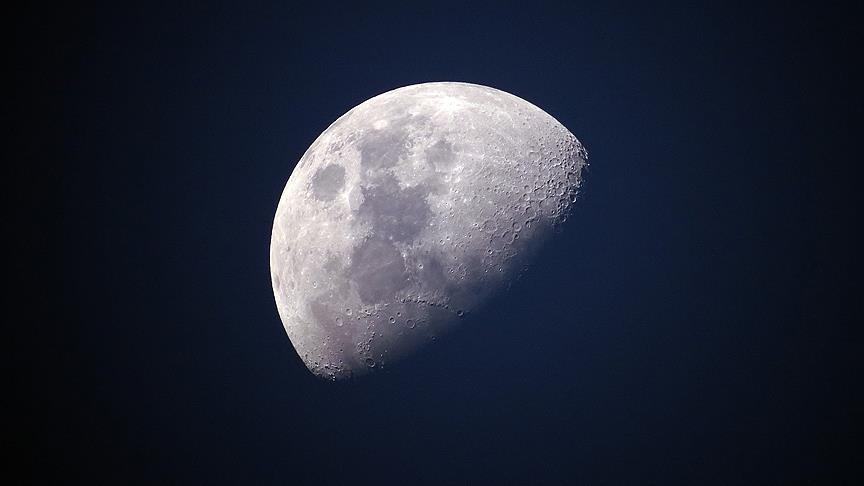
{"type": "Point", "coordinates": [693, 324]}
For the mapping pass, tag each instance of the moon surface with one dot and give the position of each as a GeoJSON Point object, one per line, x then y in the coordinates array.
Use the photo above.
{"type": "Point", "coordinates": [408, 213]}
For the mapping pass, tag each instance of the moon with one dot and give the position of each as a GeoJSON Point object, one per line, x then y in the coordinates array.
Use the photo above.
{"type": "Point", "coordinates": [408, 213]}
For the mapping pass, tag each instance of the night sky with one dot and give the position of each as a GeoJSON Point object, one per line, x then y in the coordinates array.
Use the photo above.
{"type": "Point", "coordinates": [695, 322]}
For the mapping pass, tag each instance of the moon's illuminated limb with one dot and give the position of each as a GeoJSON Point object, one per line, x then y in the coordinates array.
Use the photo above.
{"type": "Point", "coordinates": [407, 213]}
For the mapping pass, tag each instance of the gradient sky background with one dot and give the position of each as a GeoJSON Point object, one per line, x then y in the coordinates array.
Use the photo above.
{"type": "Point", "coordinates": [693, 324]}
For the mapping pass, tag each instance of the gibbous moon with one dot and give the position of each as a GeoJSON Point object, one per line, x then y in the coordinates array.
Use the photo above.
{"type": "Point", "coordinates": [408, 213]}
